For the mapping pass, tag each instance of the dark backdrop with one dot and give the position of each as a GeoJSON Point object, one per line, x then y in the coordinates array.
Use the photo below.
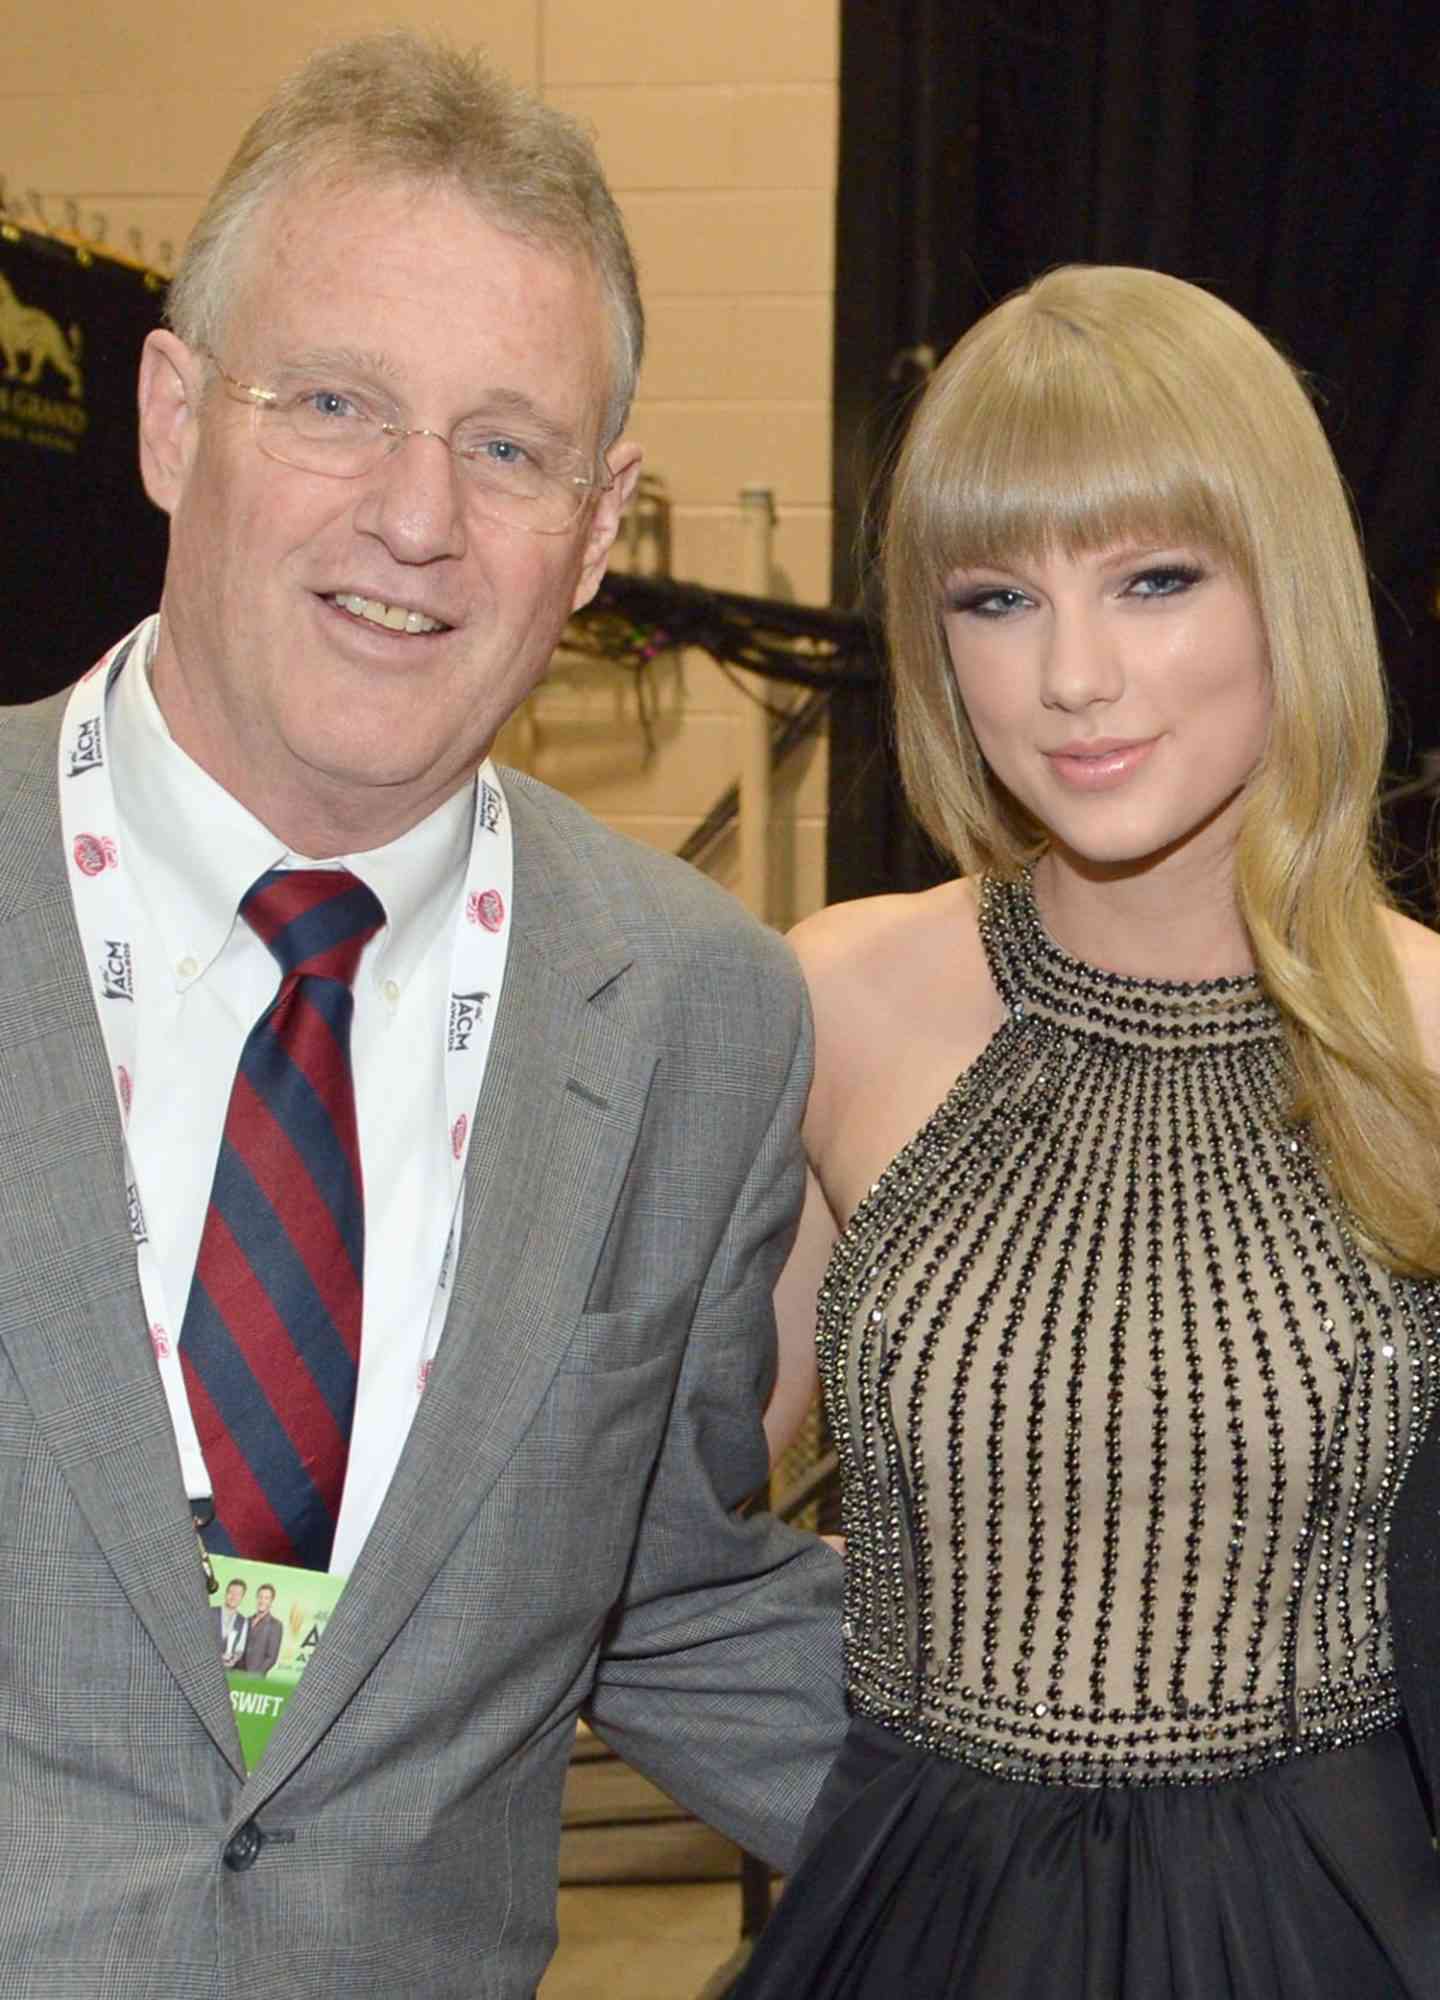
{"type": "Point", "coordinates": [1286, 157]}
{"type": "Point", "coordinates": [83, 549]}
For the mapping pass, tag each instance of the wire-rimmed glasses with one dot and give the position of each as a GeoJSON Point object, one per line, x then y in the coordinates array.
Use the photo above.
{"type": "Point", "coordinates": [517, 477]}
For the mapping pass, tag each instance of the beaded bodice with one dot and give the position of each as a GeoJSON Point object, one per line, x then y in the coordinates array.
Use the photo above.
{"type": "Point", "coordinates": [1122, 1411]}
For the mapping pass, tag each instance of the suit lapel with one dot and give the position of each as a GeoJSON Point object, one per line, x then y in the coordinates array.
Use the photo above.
{"type": "Point", "coordinates": [556, 1125]}
{"type": "Point", "coordinates": [73, 1323]}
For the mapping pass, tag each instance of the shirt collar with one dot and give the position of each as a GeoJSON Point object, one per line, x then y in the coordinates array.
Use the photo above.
{"type": "Point", "coordinates": [193, 850]}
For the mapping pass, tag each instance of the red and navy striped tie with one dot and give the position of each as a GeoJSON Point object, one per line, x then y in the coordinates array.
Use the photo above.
{"type": "Point", "coordinates": [270, 1346]}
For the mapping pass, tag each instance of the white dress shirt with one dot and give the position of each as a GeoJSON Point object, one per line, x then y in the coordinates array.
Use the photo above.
{"type": "Point", "coordinates": [203, 979]}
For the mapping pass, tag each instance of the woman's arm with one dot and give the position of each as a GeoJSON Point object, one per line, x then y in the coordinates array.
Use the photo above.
{"type": "Point", "coordinates": [901, 1000]}
{"type": "Point", "coordinates": [795, 1380]}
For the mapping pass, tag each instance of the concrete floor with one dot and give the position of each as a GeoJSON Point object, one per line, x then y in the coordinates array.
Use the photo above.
{"type": "Point", "coordinates": [635, 1941]}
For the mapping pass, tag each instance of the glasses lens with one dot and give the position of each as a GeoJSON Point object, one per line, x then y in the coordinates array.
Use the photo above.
{"type": "Point", "coordinates": [540, 486]}
{"type": "Point", "coordinates": [321, 433]}
{"type": "Point", "coordinates": [537, 488]}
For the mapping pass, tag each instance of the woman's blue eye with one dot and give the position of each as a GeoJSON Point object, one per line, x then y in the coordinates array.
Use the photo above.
{"type": "Point", "coordinates": [994, 601]}
{"type": "Point", "coordinates": [1167, 582]}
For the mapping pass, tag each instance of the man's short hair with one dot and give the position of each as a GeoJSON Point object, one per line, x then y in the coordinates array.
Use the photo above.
{"type": "Point", "coordinates": [266, 1587]}
{"type": "Point", "coordinates": [400, 106]}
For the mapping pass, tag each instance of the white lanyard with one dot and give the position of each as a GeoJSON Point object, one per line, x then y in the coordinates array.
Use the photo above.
{"type": "Point", "coordinates": [104, 916]}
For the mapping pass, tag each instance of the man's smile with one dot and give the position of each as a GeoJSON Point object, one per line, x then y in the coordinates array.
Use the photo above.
{"type": "Point", "coordinates": [394, 617]}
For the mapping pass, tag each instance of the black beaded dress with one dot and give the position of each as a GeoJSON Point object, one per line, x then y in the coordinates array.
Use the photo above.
{"type": "Point", "coordinates": [1122, 1413]}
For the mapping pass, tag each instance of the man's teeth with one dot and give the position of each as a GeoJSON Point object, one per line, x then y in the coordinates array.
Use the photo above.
{"type": "Point", "coordinates": [394, 617]}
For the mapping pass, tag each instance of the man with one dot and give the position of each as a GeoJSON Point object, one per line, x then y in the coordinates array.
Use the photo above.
{"type": "Point", "coordinates": [232, 1625]}
{"type": "Point", "coordinates": [563, 1072]}
{"type": "Point", "coordinates": [262, 1641]}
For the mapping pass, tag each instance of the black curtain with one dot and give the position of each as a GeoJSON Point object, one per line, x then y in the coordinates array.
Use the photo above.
{"type": "Point", "coordinates": [1286, 157]}
{"type": "Point", "coordinates": [83, 549]}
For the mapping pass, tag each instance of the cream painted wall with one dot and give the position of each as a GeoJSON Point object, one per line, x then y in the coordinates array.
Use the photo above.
{"type": "Point", "coordinates": [717, 127]}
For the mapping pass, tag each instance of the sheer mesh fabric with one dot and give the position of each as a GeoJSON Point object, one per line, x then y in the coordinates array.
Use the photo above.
{"type": "Point", "coordinates": [1122, 1409]}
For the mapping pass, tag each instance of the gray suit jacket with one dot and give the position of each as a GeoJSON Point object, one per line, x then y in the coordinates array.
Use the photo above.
{"type": "Point", "coordinates": [560, 1537]}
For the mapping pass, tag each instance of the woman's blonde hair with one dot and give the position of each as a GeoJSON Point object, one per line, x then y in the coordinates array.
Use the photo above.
{"type": "Point", "coordinates": [1105, 402]}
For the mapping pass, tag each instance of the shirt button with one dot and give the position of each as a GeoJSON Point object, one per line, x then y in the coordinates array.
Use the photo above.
{"type": "Point", "coordinates": [242, 1849]}
{"type": "Point", "coordinates": [391, 990]}
{"type": "Point", "coordinates": [188, 967]}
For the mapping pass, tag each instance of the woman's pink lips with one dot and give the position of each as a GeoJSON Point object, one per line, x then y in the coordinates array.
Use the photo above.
{"type": "Point", "coordinates": [1094, 767]}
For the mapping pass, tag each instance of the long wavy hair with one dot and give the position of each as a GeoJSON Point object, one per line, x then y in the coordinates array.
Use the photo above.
{"type": "Point", "coordinates": [1104, 403]}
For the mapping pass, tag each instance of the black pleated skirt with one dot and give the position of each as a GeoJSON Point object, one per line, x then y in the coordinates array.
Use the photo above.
{"type": "Point", "coordinates": [1313, 1880]}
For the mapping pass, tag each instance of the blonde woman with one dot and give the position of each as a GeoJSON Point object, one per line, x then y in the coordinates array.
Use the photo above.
{"type": "Point", "coordinates": [1129, 1336]}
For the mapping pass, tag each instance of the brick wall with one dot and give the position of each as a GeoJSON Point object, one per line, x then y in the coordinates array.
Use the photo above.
{"type": "Point", "coordinates": [717, 127]}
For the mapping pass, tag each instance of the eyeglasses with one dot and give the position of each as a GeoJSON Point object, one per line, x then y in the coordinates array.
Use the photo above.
{"type": "Point", "coordinates": [521, 481]}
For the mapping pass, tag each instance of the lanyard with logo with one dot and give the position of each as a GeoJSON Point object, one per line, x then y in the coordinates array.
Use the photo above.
{"type": "Point", "coordinates": [104, 917]}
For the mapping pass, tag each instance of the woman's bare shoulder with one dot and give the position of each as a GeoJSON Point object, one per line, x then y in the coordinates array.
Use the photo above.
{"type": "Point", "coordinates": [866, 946]}
{"type": "Point", "coordinates": [1417, 952]}
{"type": "Point", "coordinates": [903, 1002]}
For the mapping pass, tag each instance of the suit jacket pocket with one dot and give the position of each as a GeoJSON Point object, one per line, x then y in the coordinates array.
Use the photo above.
{"type": "Point", "coordinates": [606, 1341]}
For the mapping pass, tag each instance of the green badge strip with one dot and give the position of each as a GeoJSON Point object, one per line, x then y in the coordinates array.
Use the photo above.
{"type": "Point", "coordinates": [285, 1613]}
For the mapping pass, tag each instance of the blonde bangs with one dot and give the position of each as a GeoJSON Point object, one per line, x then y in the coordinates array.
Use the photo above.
{"type": "Point", "coordinates": [1066, 448]}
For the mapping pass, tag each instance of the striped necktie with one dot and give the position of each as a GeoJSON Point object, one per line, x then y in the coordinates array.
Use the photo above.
{"type": "Point", "coordinates": [270, 1346]}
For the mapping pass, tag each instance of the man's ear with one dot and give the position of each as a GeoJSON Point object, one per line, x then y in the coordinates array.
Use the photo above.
{"type": "Point", "coordinates": [623, 460]}
{"type": "Point", "coordinates": [172, 377]}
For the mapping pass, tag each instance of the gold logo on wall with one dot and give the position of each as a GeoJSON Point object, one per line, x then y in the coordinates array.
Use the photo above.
{"type": "Point", "coordinates": [32, 343]}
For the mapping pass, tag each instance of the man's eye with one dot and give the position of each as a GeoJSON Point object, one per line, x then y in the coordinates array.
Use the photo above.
{"type": "Point", "coordinates": [329, 403]}
{"type": "Point", "coordinates": [503, 452]}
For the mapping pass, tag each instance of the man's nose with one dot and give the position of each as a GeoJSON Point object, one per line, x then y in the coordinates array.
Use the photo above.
{"type": "Point", "coordinates": [415, 500]}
